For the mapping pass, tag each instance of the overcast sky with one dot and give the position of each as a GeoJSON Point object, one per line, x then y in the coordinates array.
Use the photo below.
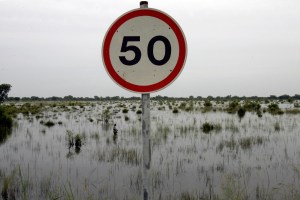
{"type": "Point", "coordinates": [235, 47]}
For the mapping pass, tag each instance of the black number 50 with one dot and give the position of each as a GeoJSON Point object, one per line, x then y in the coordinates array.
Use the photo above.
{"type": "Point", "coordinates": [137, 52]}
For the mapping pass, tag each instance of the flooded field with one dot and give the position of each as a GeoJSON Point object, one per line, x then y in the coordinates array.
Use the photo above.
{"type": "Point", "coordinates": [200, 150]}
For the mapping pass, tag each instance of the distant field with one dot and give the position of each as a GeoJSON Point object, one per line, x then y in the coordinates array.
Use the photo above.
{"type": "Point", "coordinates": [200, 150]}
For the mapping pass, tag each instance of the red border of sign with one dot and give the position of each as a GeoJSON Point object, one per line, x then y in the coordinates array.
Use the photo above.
{"type": "Point", "coordinates": [181, 58]}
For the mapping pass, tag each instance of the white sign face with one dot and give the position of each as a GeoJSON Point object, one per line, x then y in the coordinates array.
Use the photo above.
{"type": "Point", "coordinates": [163, 50]}
{"type": "Point", "coordinates": [144, 50]}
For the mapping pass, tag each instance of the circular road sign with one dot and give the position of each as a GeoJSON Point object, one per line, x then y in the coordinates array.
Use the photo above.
{"type": "Point", "coordinates": [144, 50]}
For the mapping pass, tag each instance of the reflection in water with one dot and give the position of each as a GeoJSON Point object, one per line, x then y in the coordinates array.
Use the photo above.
{"type": "Point", "coordinates": [106, 126]}
{"type": "Point", "coordinates": [77, 150]}
{"type": "Point", "coordinates": [73, 143]}
{"type": "Point", "coordinates": [69, 154]}
{"type": "Point", "coordinates": [115, 138]}
{"type": "Point", "coordinates": [115, 131]}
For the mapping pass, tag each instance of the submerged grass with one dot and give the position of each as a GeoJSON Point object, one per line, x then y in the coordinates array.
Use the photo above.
{"type": "Point", "coordinates": [6, 185]}
{"type": "Point", "coordinates": [232, 189]}
{"type": "Point", "coordinates": [173, 161]}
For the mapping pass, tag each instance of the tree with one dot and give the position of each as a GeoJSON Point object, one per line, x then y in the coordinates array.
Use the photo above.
{"type": "Point", "coordinates": [4, 89]}
{"type": "Point", "coordinates": [69, 98]}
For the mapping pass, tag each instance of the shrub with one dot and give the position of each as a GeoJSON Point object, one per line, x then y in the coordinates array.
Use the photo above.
{"type": "Point", "coordinates": [105, 116]}
{"type": "Point", "coordinates": [252, 106]}
{"type": "Point", "coordinates": [126, 118]}
{"type": "Point", "coordinates": [5, 119]}
{"type": "Point", "coordinates": [175, 110]}
{"type": "Point", "coordinates": [241, 112]}
{"type": "Point", "coordinates": [274, 109]}
{"type": "Point", "coordinates": [49, 123]}
{"type": "Point", "coordinates": [207, 104]}
{"type": "Point", "coordinates": [207, 127]}
{"type": "Point", "coordinates": [259, 114]}
{"type": "Point", "coordinates": [182, 105]}
{"type": "Point", "coordinates": [5, 125]}
{"type": "Point", "coordinates": [139, 112]}
{"type": "Point", "coordinates": [232, 107]}
{"type": "Point", "coordinates": [277, 126]}
{"type": "Point", "coordinates": [125, 110]}
{"type": "Point", "coordinates": [78, 142]}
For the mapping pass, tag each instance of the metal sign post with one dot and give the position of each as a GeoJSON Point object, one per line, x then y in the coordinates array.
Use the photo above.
{"type": "Point", "coordinates": [146, 135]}
{"type": "Point", "coordinates": [146, 143]}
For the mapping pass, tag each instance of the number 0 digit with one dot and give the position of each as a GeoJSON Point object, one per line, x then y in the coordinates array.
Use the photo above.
{"type": "Point", "coordinates": [167, 44]}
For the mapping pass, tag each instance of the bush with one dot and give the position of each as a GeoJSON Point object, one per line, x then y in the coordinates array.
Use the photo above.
{"type": "Point", "coordinates": [5, 119]}
{"type": "Point", "coordinates": [274, 109]}
{"type": "Point", "coordinates": [241, 112]}
{"type": "Point", "coordinates": [49, 123]}
{"type": "Point", "coordinates": [207, 127]}
{"type": "Point", "coordinates": [175, 110]}
{"type": "Point", "coordinates": [126, 118]}
{"type": "Point", "coordinates": [252, 106]}
{"type": "Point", "coordinates": [78, 142]}
{"type": "Point", "coordinates": [232, 107]}
{"type": "Point", "coordinates": [139, 112]}
{"type": "Point", "coordinates": [125, 110]}
{"type": "Point", "coordinates": [5, 125]}
{"type": "Point", "coordinates": [207, 104]}
{"type": "Point", "coordinates": [182, 105]}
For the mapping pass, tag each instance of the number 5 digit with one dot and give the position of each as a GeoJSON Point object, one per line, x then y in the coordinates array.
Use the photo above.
{"type": "Point", "coordinates": [135, 49]}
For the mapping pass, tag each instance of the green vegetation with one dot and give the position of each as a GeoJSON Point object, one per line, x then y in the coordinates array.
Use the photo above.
{"type": "Point", "coordinates": [247, 142]}
{"type": "Point", "coordinates": [74, 141]}
{"type": "Point", "coordinates": [126, 118]}
{"type": "Point", "coordinates": [182, 105]}
{"type": "Point", "coordinates": [208, 127]}
{"type": "Point", "coordinates": [277, 126]}
{"type": "Point", "coordinates": [274, 109]}
{"type": "Point", "coordinates": [207, 104]}
{"type": "Point", "coordinates": [49, 124]}
{"type": "Point", "coordinates": [232, 107]}
{"type": "Point", "coordinates": [105, 116]}
{"type": "Point", "coordinates": [252, 106]}
{"type": "Point", "coordinates": [6, 185]}
{"type": "Point", "coordinates": [5, 118]}
{"type": "Point", "coordinates": [4, 89]}
{"type": "Point", "coordinates": [232, 190]}
{"type": "Point", "coordinates": [294, 111]}
{"type": "Point", "coordinates": [25, 109]}
{"type": "Point", "coordinates": [175, 110]}
{"type": "Point", "coordinates": [125, 110]}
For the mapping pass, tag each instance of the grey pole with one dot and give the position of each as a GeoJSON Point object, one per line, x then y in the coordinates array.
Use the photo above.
{"type": "Point", "coordinates": [146, 135]}
{"type": "Point", "coordinates": [146, 143]}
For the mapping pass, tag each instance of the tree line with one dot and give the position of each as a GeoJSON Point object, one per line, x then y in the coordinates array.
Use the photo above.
{"type": "Point", "coordinates": [158, 97]}
{"type": "Point", "coordinates": [5, 88]}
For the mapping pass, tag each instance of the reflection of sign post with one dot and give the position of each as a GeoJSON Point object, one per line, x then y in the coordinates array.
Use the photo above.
{"type": "Point", "coordinates": [144, 50]}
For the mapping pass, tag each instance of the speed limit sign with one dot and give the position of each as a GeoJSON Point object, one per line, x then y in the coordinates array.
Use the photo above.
{"type": "Point", "coordinates": [144, 50]}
